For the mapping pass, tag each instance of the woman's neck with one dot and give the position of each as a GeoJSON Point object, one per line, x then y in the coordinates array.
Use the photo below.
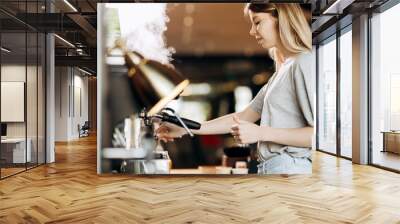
{"type": "Point", "coordinates": [284, 53]}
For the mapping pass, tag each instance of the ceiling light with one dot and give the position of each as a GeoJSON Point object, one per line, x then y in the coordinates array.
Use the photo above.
{"type": "Point", "coordinates": [260, 78]}
{"type": "Point", "coordinates": [65, 41]}
{"type": "Point", "coordinates": [248, 51]}
{"type": "Point", "coordinates": [84, 71]}
{"type": "Point", "coordinates": [189, 8]}
{"type": "Point", "coordinates": [197, 89]}
{"type": "Point", "coordinates": [188, 21]}
{"type": "Point", "coordinates": [70, 5]}
{"type": "Point", "coordinates": [5, 50]}
{"type": "Point", "coordinates": [337, 7]}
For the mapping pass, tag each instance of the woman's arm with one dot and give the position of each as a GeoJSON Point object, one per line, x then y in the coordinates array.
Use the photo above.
{"type": "Point", "coordinates": [247, 133]}
{"type": "Point", "coordinates": [221, 125]}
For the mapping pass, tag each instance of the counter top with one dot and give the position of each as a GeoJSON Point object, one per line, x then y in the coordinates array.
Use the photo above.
{"type": "Point", "coordinates": [202, 170]}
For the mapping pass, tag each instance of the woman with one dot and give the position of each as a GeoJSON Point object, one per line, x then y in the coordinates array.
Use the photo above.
{"type": "Point", "coordinates": [284, 104]}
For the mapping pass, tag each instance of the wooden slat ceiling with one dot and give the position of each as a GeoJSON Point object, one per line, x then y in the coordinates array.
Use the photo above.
{"type": "Point", "coordinates": [217, 28]}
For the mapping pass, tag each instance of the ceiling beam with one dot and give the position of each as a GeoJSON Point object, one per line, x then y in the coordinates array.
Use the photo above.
{"type": "Point", "coordinates": [82, 61]}
{"type": "Point", "coordinates": [84, 24]}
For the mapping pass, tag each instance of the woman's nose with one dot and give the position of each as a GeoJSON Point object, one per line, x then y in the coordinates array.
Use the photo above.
{"type": "Point", "coordinates": [252, 31]}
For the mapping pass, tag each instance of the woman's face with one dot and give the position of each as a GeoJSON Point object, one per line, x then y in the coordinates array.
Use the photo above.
{"type": "Point", "coordinates": [264, 29]}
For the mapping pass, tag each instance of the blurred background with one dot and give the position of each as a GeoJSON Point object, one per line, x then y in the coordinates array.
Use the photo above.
{"type": "Point", "coordinates": [226, 68]}
{"type": "Point", "coordinates": [210, 45]}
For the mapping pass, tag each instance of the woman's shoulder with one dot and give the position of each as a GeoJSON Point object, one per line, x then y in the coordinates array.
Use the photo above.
{"type": "Point", "coordinates": [303, 62]}
{"type": "Point", "coordinates": [305, 58]}
{"type": "Point", "coordinates": [302, 67]}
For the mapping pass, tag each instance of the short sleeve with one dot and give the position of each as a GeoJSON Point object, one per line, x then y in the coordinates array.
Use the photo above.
{"type": "Point", "coordinates": [304, 85]}
{"type": "Point", "coordinates": [258, 102]}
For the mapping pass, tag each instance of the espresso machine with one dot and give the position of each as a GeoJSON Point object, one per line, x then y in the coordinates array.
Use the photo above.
{"type": "Point", "coordinates": [138, 90]}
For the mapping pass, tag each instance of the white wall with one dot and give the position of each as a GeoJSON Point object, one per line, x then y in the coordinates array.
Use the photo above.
{"type": "Point", "coordinates": [12, 73]}
{"type": "Point", "coordinates": [61, 103]}
{"type": "Point", "coordinates": [17, 73]}
{"type": "Point", "coordinates": [33, 126]}
{"type": "Point", "coordinates": [80, 112]}
{"type": "Point", "coordinates": [71, 94]}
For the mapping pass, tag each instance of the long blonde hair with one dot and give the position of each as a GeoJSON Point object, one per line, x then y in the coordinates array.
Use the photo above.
{"type": "Point", "coordinates": [293, 27]}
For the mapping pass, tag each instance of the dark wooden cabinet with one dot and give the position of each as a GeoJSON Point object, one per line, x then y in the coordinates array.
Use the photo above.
{"type": "Point", "coordinates": [391, 141]}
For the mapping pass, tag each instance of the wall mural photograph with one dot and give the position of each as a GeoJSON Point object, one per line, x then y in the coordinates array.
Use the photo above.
{"type": "Point", "coordinates": [202, 88]}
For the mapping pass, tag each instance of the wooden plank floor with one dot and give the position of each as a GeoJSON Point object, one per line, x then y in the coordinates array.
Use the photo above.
{"type": "Point", "coordinates": [70, 191]}
{"type": "Point", "coordinates": [10, 171]}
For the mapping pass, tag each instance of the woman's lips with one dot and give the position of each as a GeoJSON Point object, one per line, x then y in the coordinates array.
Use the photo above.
{"type": "Point", "coordinates": [260, 40]}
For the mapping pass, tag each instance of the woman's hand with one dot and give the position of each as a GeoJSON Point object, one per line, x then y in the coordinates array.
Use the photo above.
{"type": "Point", "coordinates": [167, 132]}
{"type": "Point", "coordinates": [245, 132]}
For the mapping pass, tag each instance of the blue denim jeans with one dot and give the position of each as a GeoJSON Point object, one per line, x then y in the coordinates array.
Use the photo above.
{"type": "Point", "coordinates": [285, 164]}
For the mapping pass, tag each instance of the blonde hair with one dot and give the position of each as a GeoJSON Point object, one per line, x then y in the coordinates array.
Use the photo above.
{"type": "Point", "coordinates": [293, 27]}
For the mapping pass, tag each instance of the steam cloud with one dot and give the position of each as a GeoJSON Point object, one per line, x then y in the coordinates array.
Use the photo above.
{"type": "Point", "coordinates": [142, 26]}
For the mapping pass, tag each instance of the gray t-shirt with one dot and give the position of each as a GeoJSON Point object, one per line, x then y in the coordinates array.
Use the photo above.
{"type": "Point", "coordinates": [287, 101]}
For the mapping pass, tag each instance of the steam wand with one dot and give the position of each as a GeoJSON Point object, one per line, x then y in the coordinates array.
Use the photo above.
{"type": "Point", "coordinates": [180, 121]}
